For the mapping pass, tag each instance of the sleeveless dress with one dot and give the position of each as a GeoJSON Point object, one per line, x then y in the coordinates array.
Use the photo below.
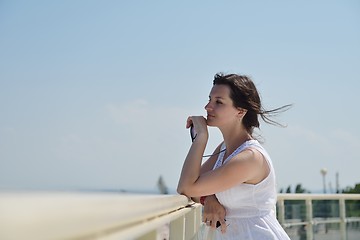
{"type": "Point", "coordinates": [250, 208]}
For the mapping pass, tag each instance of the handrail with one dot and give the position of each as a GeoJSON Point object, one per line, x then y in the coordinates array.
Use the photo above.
{"type": "Point", "coordinates": [94, 216]}
{"type": "Point", "coordinates": [85, 216]}
{"type": "Point", "coordinates": [303, 196]}
{"type": "Point", "coordinates": [310, 221]}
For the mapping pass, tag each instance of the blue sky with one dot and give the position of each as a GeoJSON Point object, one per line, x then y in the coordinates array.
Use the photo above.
{"type": "Point", "coordinates": [95, 94]}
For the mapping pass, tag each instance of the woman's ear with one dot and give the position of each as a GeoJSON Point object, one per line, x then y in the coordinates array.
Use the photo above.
{"type": "Point", "coordinates": [242, 112]}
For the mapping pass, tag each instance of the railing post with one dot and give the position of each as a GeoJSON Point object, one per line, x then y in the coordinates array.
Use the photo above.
{"type": "Point", "coordinates": [190, 219]}
{"type": "Point", "coordinates": [281, 216]}
{"type": "Point", "coordinates": [342, 210]}
{"type": "Point", "coordinates": [177, 229]}
{"type": "Point", "coordinates": [309, 219]}
{"type": "Point", "coordinates": [149, 236]}
{"type": "Point", "coordinates": [198, 215]}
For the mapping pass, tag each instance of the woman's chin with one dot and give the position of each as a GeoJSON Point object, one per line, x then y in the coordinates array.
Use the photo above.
{"type": "Point", "coordinates": [210, 123]}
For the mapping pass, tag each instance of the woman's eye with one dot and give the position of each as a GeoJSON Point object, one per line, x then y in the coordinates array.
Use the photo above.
{"type": "Point", "coordinates": [218, 102]}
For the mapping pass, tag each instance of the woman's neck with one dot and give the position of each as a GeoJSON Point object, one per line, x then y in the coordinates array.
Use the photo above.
{"type": "Point", "coordinates": [234, 137]}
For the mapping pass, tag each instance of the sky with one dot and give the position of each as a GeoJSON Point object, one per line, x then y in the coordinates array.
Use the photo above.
{"type": "Point", "coordinates": [94, 95]}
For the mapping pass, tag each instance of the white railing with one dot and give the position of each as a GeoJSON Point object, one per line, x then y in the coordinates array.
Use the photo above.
{"type": "Point", "coordinates": [88, 216]}
{"type": "Point", "coordinates": [310, 220]}
{"type": "Point", "coordinates": [85, 216]}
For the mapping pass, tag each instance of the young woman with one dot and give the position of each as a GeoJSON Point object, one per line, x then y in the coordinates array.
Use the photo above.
{"type": "Point", "coordinates": [238, 180]}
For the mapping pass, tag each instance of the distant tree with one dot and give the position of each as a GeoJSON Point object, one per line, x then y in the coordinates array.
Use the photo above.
{"type": "Point", "coordinates": [356, 189]}
{"type": "Point", "coordinates": [300, 189]}
{"type": "Point", "coordinates": [162, 186]}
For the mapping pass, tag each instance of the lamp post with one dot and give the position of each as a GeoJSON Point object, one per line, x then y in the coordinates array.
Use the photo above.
{"type": "Point", "coordinates": [323, 172]}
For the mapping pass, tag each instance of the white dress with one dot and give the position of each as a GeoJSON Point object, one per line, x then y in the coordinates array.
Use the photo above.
{"type": "Point", "coordinates": [250, 209]}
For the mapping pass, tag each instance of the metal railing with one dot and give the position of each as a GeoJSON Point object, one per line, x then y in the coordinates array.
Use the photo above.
{"type": "Point", "coordinates": [85, 216]}
{"type": "Point", "coordinates": [306, 212]}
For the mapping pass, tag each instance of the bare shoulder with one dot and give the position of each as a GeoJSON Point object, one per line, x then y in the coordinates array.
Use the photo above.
{"type": "Point", "coordinates": [249, 156]}
{"type": "Point", "coordinates": [252, 165]}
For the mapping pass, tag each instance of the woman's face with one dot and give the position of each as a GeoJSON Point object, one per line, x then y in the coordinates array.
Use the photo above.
{"type": "Point", "coordinates": [220, 109]}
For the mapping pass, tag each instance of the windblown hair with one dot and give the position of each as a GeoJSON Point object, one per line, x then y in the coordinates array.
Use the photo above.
{"type": "Point", "coordinates": [244, 95]}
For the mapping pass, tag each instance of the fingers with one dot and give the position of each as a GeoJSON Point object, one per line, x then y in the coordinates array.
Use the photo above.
{"type": "Point", "coordinates": [189, 122]}
{"type": "Point", "coordinates": [195, 120]}
{"type": "Point", "coordinates": [216, 223]}
{"type": "Point", "coordinates": [214, 213]}
{"type": "Point", "coordinates": [223, 225]}
{"type": "Point", "coordinates": [213, 223]}
{"type": "Point", "coordinates": [206, 218]}
{"type": "Point", "coordinates": [209, 219]}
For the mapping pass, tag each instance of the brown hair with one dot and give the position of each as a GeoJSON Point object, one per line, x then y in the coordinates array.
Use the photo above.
{"type": "Point", "coordinates": [244, 95]}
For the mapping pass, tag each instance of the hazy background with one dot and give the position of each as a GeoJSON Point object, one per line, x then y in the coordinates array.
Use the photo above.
{"type": "Point", "coordinates": [95, 94]}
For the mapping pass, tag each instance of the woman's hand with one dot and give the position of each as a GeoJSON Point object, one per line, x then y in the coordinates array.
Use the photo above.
{"type": "Point", "coordinates": [214, 212]}
{"type": "Point", "coordinates": [199, 124]}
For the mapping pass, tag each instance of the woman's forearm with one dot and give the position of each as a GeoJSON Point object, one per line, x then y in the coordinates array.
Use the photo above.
{"type": "Point", "coordinates": [192, 164]}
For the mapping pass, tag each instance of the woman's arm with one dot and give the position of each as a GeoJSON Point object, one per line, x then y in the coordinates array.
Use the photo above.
{"type": "Point", "coordinates": [192, 164]}
{"type": "Point", "coordinates": [247, 166]}
{"type": "Point", "coordinates": [207, 166]}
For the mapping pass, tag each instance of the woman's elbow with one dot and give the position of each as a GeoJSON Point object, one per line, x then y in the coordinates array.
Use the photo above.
{"type": "Point", "coordinates": [187, 191]}
{"type": "Point", "coordinates": [182, 190]}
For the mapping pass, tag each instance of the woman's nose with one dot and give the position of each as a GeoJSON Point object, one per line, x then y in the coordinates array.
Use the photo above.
{"type": "Point", "coordinates": [207, 106]}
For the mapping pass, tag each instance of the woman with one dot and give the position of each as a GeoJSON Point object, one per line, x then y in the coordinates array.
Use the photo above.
{"type": "Point", "coordinates": [238, 180]}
